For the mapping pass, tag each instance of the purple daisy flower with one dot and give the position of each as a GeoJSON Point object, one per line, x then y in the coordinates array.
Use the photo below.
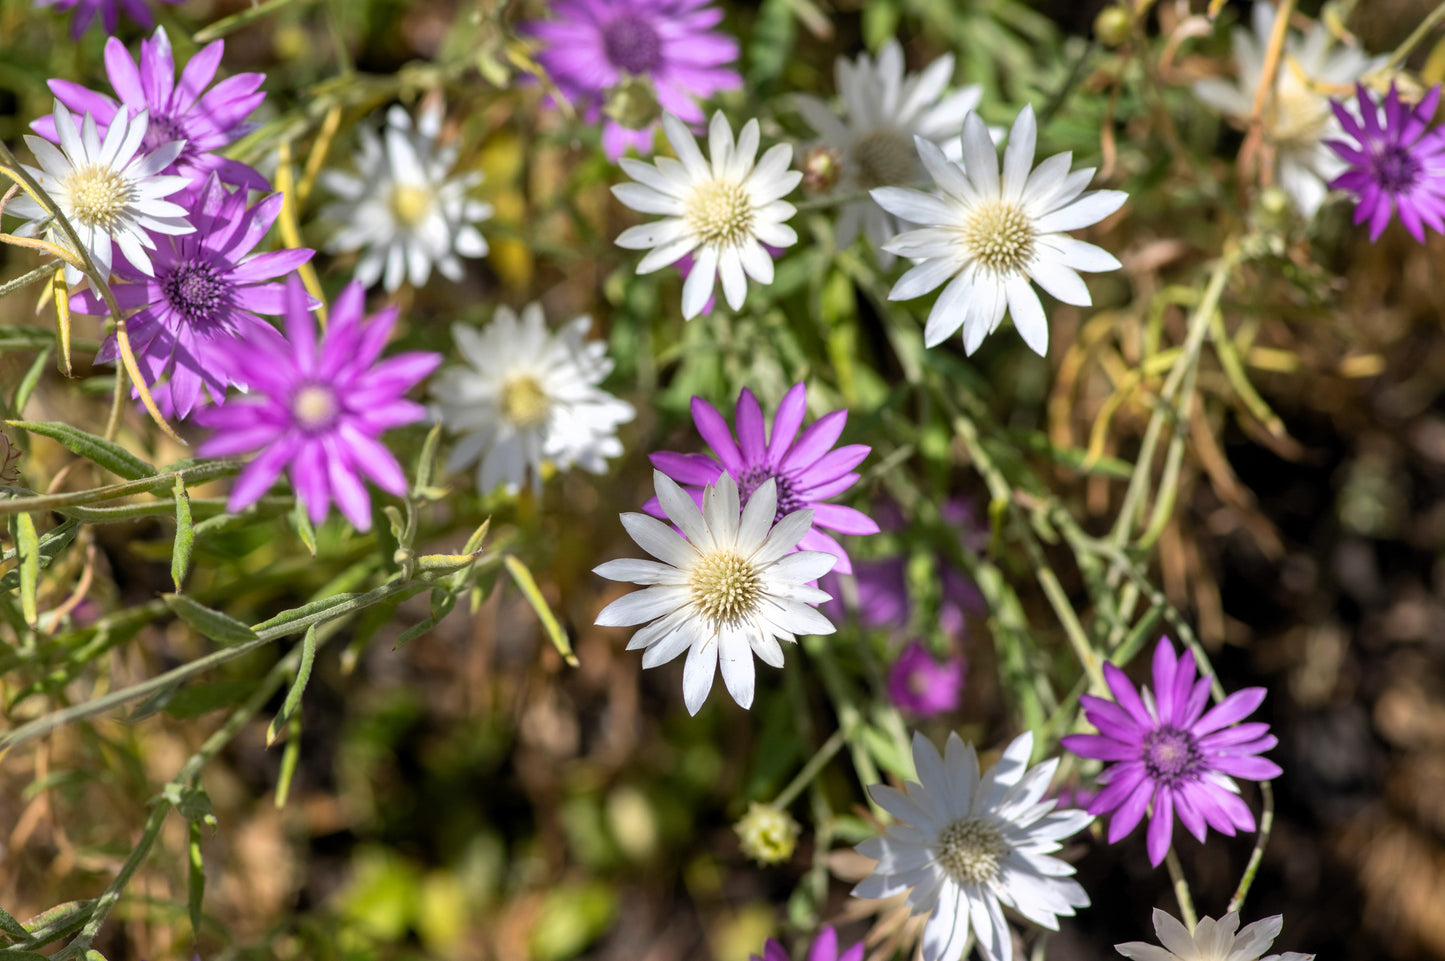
{"type": "Point", "coordinates": [593, 45]}
{"type": "Point", "coordinates": [825, 948]}
{"type": "Point", "coordinates": [109, 10]}
{"type": "Point", "coordinates": [1167, 751]}
{"type": "Point", "coordinates": [201, 303]}
{"type": "Point", "coordinates": [1395, 165]}
{"type": "Point", "coordinates": [807, 469]}
{"type": "Point", "coordinates": [319, 407]}
{"type": "Point", "coordinates": [206, 120]}
{"type": "Point", "coordinates": [922, 685]}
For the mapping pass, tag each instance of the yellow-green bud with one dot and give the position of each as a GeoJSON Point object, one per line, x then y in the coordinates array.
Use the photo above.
{"type": "Point", "coordinates": [768, 835]}
{"type": "Point", "coordinates": [1113, 25]}
{"type": "Point", "coordinates": [821, 169]}
{"type": "Point", "coordinates": [1273, 209]}
{"type": "Point", "coordinates": [632, 102]}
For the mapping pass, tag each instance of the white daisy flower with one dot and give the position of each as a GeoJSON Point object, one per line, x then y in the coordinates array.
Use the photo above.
{"type": "Point", "coordinates": [109, 190]}
{"type": "Point", "coordinates": [721, 212]}
{"type": "Point", "coordinates": [971, 845]}
{"type": "Point", "coordinates": [727, 591]}
{"type": "Point", "coordinates": [1297, 119]}
{"type": "Point", "coordinates": [1211, 941]}
{"type": "Point", "coordinates": [404, 207]}
{"type": "Point", "coordinates": [529, 396]}
{"type": "Point", "coordinates": [989, 235]}
{"type": "Point", "coordinates": [883, 109]}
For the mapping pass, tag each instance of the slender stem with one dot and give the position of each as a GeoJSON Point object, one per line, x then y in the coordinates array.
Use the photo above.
{"type": "Point", "coordinates": [112, 894]}
{"type": "Point", "coordinates": [1181, 891]}
{"type": "Point", "coordinates": [1419, 33]}
{"type": "Point", "coordinates": [810, 770]}
{"type": "Point", "coordinates": [25, 279]}
{"type": "Point", "coordinates": [199, 473]}
{"type": "Point", "coordinates": [1266, 824]}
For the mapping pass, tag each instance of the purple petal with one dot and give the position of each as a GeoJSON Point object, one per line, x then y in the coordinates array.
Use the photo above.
{"type": "Point", "coordinates": [1237, 706]}
{"type": "Point", "coordinates": [714, 430]}
{"type": "Point", "coordinates": [752, 434]}
{"type": "Point", "coordinates": [1161, 827]}
{"type": "Point", "coordinates": [787, 421]}
{"type": "Point", "coordinates": [698, 469]}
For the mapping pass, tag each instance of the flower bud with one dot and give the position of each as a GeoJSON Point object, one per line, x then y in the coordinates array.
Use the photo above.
{"type": "Point", "coordinates": [768, 835]}
{"type": "Point", "coordinates": [821, 169]}
{"type": "Point", "coordinates": [632, 102]}
{"type": "Point", "coordinates": [1113, 25]}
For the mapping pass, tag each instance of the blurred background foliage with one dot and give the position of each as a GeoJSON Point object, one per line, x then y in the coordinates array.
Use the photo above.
{"type": "Point", "coordinates": [468, 795]}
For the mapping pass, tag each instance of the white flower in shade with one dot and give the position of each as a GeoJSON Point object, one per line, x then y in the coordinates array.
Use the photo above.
{"type": "Point", "coordinates": [988, 235]}
{"type": "Point", "coordinates": [1211, 941]}
{"type": "Point", "coordinates": [971, 845]}
{"type": "Point", "coordinates": [1297, 119]}
{"type": "Point", "coordinates": [883, 109]}
{"type": "Point", "coordinates": [526, 397]}
{"type": "Point", "coordinates": [403, 207]}
{"type": "Point", "coordinates": [725, 590]}
{"type": "Point", "coordinates": [721, 211]}
{"type": "Point", "coordinates": [108, 188]}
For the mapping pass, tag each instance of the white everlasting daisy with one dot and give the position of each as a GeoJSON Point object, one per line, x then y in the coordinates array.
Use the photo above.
{"type": "Point", "coordinates": [1211, 941]}
{"type": "Point", "coordinates": [988, 235]}
{"type": "Point", "coordinates": [108, 188]}
{"type": "Point", "coordinates": [721, 211]}
{"type": "Point", "coordinates": [529, 396]}
{"type": "Point", "coordinates": [725, 590]}
{"type": "Point", "coordinates": [883, 109]}
{"type": "Point", "coordinates": [1297, 119]}
{"type": "Point", "coordinates": [972, 844]}
{"type": "Point", "coordinates": [404, 207]}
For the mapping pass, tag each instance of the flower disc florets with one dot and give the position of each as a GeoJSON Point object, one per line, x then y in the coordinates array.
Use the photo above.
{"type": "Point", "coordinates": [1001, 237]}
{"type": "Point", "coordinates": [632, 44]}
{"type": "Point", "coordinates": [970, 850]}
{"type": "Point", "coordinates": [725, 587]}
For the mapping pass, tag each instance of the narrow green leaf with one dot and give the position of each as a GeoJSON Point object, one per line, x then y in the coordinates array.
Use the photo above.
{"type": "Point", "coordinates": [524, 579]}
{"type": "Point", "coordinates": [190, 802]}
{"type": "Point", "coordinates": [210, 622]}
{"type": "Point", "coordinates": [154, 704]}
{"type": "Point", "coordinates": [203, 698]}
{"type": "Point", "coordinates": [12, 927]}
{"type": "Point", "coordinates": [28, 544]}
{"type": "Point", "coordinates": [441, 604]}
{"type": "Point", "coordinates": [298, 686]}
{"type": "Point", "coordinates": [426, 463]}
{"type": "Point", "coordinates": [185, 536]}
{"type": "Point", "coordinates": [198, 879]}
{"type": "Point", "coordinates": [290, 755]}
{"type": "Point", "coordinates": [306, 610]}
{"type": "Point", "coordinates": [52, 543]}
{"type": "Point", "coordinates": [107, 454]}
{"type": "Point", "coordinates": [31, 379]}
{"type": "Point", "coordinates": [302, 522]}
{"type": "Point", "coordinates": [60, 293]}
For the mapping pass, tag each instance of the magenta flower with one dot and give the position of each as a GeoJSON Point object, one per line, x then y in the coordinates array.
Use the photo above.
{"type": "Point", "coordinates": [922, 685]}
{"type": "Point", "coordinates": [593, 45]}
{"type": "Point", "coordinates": [1167, 751]}
{"type": "Point", "coordinates": [825, 948]}
{"type": "Point", "coordinates": [318, 408]}
{"type": "Point", "coordinates": [205, 121]}
{"type": "Point", "coordinates": [109, 10]}
{"type": "Point", "coordinates": [807, 469]}
{"type": "Point", "coordinates": [200, 304]}
{"type": "Point", "coordinates": [881, 590]}
{"type": "Point", "coordinates": [1395, 165]}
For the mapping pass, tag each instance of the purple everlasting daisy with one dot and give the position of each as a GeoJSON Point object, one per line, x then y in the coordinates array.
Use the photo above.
{"type": "Point", "coordinates": [593, 46]}
{"type": "Point", "coordinates": [1167, 751]}
{"type": "Point", "coordinates": [1397, 165]}
{"type": "Point", "coordinates": [319, 407]}
{"type": "Point", "coordinates": [807, 469]}
{"type": "Point", "coordinates": [922, 685]}
{"type": "Point", "coordinates": [201, 303]}
{"type": "Point", "coordinates": [206, 120]}
{"type": "Point", "coordinates": [109, 10]}
{"type": "Point", "coordinates": [825, 948]}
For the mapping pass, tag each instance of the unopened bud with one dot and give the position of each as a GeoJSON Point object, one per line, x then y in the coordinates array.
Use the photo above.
{"type": "Point", "coordinates": [822, 167]}
{"type": "Point", "coordinates": [1113, 25]}
{"type": "Point", "coordinates": [632, 102]}
{"type": "Point", "coordinates": [768, 835]}
{"type": "Point", "coordinates": [1273, 209]}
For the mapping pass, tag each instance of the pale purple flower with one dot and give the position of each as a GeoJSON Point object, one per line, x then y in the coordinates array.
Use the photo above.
{"type": "Point", "coordinates": [1395, 163]}
{"type": "Point", "coordinates": [590, 46]}
{"type": "Point", "coordinates": [318, 407]}
{"type": "Point", "coordinates": [807, 469]}
{"type": "Point", "coordinates": [184, 110]}
{"type": "Point", "coordinates": [825, 948]}
{"type": "Point", "coordinates": [922, 685]}
{"type": "Point", "coordinates": [109, 10]}
{"type": "Point", "coordinates": [200, 305]}
{"type": "Point", "coordinates": [1168, 753]}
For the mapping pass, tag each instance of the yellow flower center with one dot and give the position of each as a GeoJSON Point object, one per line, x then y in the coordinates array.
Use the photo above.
{"type": "Point", "coordinates": [969, 850]}
{"type": "Point", "coordinates": [97, 196]}
{"type": "Point", "coordinates": [314, 407]}
{"type": "Point", "coordinates": [721, 212]}
{"type": "Point", "coordinates": [524, 403]}
{"type": "Point", "coordinates": [1000, 236]}
{"type": "Point", "coordinates": [725, 587]}
{"type": "Point", "coordinates": [410, 204]}
{"type": "Point", "coordinates": [884, 158]}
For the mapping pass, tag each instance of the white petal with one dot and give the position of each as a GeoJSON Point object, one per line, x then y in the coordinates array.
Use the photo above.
{"type": "Point", "coordinates": [1088, 209]}
{"type": "Point", "coordinates": [735, 658]}
{"type": "Point", "coordinates": [1018, 158]}
{"type": "Point", "coordinates": [699, 284]}
{"type": "Point", "coordinates": [1028, 314]}
{"type": "Point", "coordinates": [642, 606]}
{"type": "Point", "coordinates": [697, 674]}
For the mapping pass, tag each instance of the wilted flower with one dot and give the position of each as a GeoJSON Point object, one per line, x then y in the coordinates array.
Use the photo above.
{"type": "Point", "coordinates": [1169, 756]}
{"type": "Point", "coordinates": [622, 55]}
{"type": "Point", "coordinates": [1396, 163]}
{"type": "Point", "coordinates": [721, 211]}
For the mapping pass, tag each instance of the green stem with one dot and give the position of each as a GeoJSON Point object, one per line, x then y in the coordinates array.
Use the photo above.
{"type": "Point", "coordinates": [195, 474]}
{"type": "Point", "coordinates": [810, 770]}
{"type": "Point", "coordinates": [39, 273]}
{"type": "Point", "coordinates": [1266, 824]}
{"type": "Point", "coordinates": [1419, 33]}
{"type": "Point", "coordinates": [1181, 891]}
